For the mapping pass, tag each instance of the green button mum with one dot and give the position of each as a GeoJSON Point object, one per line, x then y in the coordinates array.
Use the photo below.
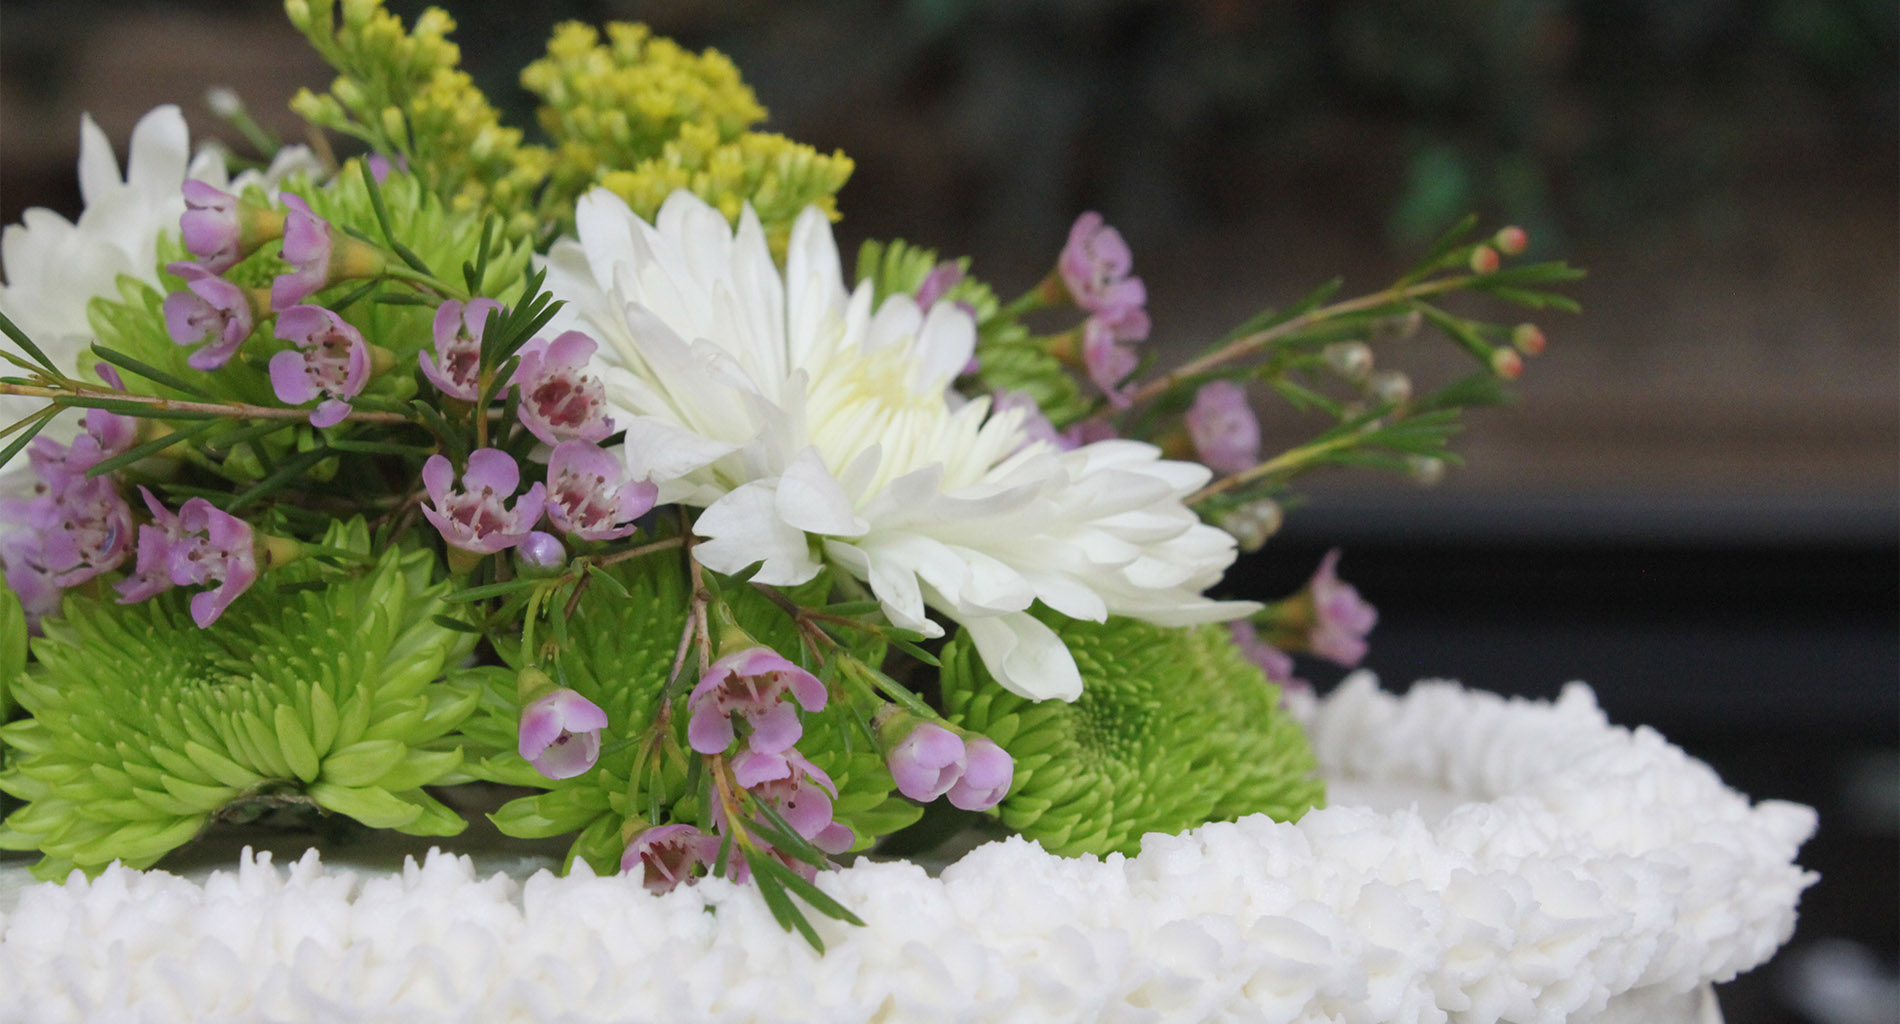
{"type": "Point", "coordinates": [324, 691]}
{"type": "Point", "coordinates": [1174, 728]}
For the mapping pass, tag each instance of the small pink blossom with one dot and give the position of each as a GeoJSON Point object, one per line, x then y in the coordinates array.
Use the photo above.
{"type": "Point", "coordinates": [476, 517]}
{"type": "Point", "coordinates": [928, 762]}
{"type": "Point", "coordinates": [560, 400]}
{"type": "Point", "coordinates": [759, 685]}
{"type": "Point", "coordinates": [1340, 617]}
{"type": "Point", "coordinates": [1274, 663]}
{"type": "Point", "coordinates": [23, 557]}
{"type": "Point", "coordinates": [307, 244]}
{"type": "Point", "coordinates": [210, 226]}
{"type": "Point", "coordinates": [331, 362]}
{"type": "Point", "coordinates": [799, 791]}
{"type": "Point", "coordinates": [1225, 431]}
{"type": "Point", "coordinates": [667, 855]}
{"type": "Point", "coordinates": [211, 311]}
{"type": "Point", "coordinates": [560, 734]}
{"type": "Point", "coordinates": [588, 495]}
{"type": "Point", "coordinates": [1095, 265]}
{"type": "Point", "coordinates": [456, 368]}
{"type": "Point", "coordinates": [1105, 352]}
{"type": "Point", "coordinates": [199, 546]}
{"type": "Point", "coordinates": [988, 771]}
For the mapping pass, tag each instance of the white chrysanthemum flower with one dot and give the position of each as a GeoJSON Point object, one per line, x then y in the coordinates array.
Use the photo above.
{"type": "Point", "coordinates": [794, 412]}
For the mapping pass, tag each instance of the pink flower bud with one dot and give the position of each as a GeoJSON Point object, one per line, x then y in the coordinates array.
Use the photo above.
{"type": "Point", "coordinates": [1511, 241]}
{"type": "Point", "coordinates": [987, 774]}
{"type": "Point", "coordinates": [1529, 339]}
{"type": "Point", "coordinates": [1484, 260]}
{"type": "Point", "coordinates": [1506, 363]}
{"type": "Point", "coordinates": [927, 762]}
{"type": "Point", "coordinates": [307, 244]}
{"type": "Point", "coordinates": [560, 734]}
{"type": "Point", "coordinates": [540, 555]}
{"type": "Point", "coordinates": [210, 226]}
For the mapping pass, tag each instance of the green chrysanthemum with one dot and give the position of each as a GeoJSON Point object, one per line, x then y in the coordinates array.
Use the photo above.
{"type": "Point", "coordinates": [311, 690]}
{"type": "Point", "coordinates": [1174, 728]}
{"type": "Point", "coordinates": [618, 652]}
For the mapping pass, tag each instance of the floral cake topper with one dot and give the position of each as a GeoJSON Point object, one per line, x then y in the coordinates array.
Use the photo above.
{"type": "Point", "coordinates": [590, 467]}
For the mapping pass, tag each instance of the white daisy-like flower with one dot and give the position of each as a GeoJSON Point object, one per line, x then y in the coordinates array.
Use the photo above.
{"type": "Point", "coordinates": [810, 426]}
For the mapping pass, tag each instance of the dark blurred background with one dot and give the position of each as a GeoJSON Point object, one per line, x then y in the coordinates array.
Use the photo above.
{"type": "Point", "coordinates": [1694, 509]}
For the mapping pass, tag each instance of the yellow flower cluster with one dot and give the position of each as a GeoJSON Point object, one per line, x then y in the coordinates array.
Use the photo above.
{"type": "Point", "coordinates": [404, 93]}
{"type": "Point", "coordinates": [642, 117]}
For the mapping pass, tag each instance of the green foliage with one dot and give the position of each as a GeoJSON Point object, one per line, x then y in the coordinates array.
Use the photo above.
{"type": "Point", "coordinates": [618, 653]}
{"type": "Point", "coordinates": [316, 691]}
{"type": "Point", "coordinates": [1174, 728]}
{"type": "Point", "coordinates": [12, 647]}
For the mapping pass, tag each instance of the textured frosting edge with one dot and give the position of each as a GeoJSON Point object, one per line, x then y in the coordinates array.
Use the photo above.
{"type": "Point", "coordinates": [1587, 861]}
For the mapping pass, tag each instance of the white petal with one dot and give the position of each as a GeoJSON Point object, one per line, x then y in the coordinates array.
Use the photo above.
{"type": "Point", "coordinates": [161, 146]}
{"type": "Point", "coordinates": [659, 451]}
{"type": "Point", "coordinates": [810, 498]}
{"type": "Point", "coordinates": [98, 164]}
{"type": "Point", "coordinates": [743, 529]}
{"type": "Point", "coordinates": [1025, 656]}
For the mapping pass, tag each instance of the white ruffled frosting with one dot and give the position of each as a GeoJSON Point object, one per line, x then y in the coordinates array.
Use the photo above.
{"type": "Point", "coordinates": [1594, 872]}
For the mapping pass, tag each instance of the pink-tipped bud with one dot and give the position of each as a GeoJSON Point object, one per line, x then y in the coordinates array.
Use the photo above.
{"type": "Point", "coordinates": [1511, 241]}
{"type": "Point", "coordinates": [1528, 338]}
{"type": "Point", "coordinates": [1506, 363]}
{"type": "Point", "coordinates": [1484, 260]}
{"type": "Point", "coordinates": [987, 774]}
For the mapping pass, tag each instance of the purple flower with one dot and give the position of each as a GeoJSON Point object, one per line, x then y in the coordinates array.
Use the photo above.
{"type": "Point", "coordinates": [798, 790]}
{"type": "Point", "coordinates": [456, 368]}
{"type": "Point", "coordinates": [759, 685]}
{"type": "Point", "coordinates": [476, 517]}
{"type": "Point", "coordinates": [22, 554]}
{"type": "Point", "coordinates": [987, 772]}
{"type": "Point", "coordinates": [927, 762]}
{"type": "Point", "coordinates": [107, 433]}
{"type": "Point", "coordinates": [560, 401]}
{"type": "Point", "coordinates": [199, 546]}
{"type": "Point", "coordinates": [331, 361]}
{"type": "Point", "coordinates": [307, 245]}
{"type": "Point", "coordinates": [540, 554]}
{"type": "Point", "coordinates": [1340, 617]}
{"type": "Point", "coordinates": [210, 226]}
{"type": "Point", "coordinates": [943, 277]}
{"type": "Point", "coordinates": [668, 855]}
{"type": "Point", "coordinates": [1226, 434]}
{"type": "Point", "coordinates": [210, 310]}
{"type": "Point", "coordinates": [1095, 264]}
{"type": "Point", "coordinates": [1273, 662]}
{"type": "Point", "coordinates": [587, 496]}
{"type": "Point", "coordinates": [560, 734]}
{"type": "Point", "coordinates": [1107, 360]}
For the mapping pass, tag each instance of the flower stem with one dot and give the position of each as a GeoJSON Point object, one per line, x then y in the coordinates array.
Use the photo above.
{"type": "Point", "coordinates": [87, 398]}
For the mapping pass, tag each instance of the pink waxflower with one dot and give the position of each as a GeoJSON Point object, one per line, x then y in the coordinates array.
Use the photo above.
{"type": "Point", "coordinates": [307, 248]}
{"type": "Point", "coordinates": [1274, 663]}
{"type": "Point", "coordinates": [1105, 354]}
{"type": "Point", "coordinates": [928, 762]}
{"type": "Point", "coordinates": [476, 517]}
{"type": "Point", "coordinates": [588, 495]}
{"type": "Point", "coordinates": [540, 555]}
{"type": "Point", "coordinates": [211, 311]}
{"type": "Point", "coordinates": [456, 368]}
{"type": "Point", "coordinates": [667, 855]}
{"type": "Point", "coordinates": [988, 771]}
{"type": "Point", "coordinates": [1226, 434]}
{"type": "Point", "coordinates": [560, 734]}
{"type": "Point", "coordinates": [1340, 618]}
{"type": "Point", "coordinates": [1095, 264]}
{"type": "Point", "coordinates": [759, 685]}
{"type": "Point", "coordinates": [560, 400]}
{"type": "Point", "coordinates": [23, 558]}
{"type": "Point", "coordinates": [799, 791]}
{"type": "Point", "coordinates": [199, 546]}
{"type": "Point", "coordinates": [331, 362]}
{"type": "Point", "coordinates": [210, 226]}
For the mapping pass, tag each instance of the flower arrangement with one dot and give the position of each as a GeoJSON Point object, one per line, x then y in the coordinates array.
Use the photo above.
{"type": "Point", "coordinates": [589, 468]}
